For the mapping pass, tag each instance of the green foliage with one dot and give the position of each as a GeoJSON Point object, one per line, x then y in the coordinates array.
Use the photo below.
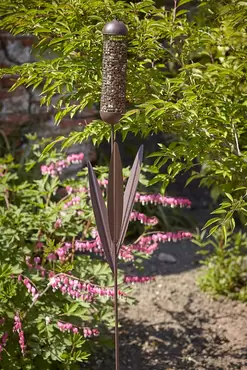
{"type": "Point", "coordinates": [28, 211]}
{"type": "Point", "coordinates": [35, 223]}
{"type": "Point", "coordinates": [226, 261]}
{"type": "Point", "coordinates": [71, 32]}
{"type": "Point", "coordinates": [186, 76]}
{"type": "Point", "coordinates": [226, 272]}
{"type": "Point", "coordinates": [226, 212]}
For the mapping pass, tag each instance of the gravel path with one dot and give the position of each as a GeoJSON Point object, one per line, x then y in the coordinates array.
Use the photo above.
{"type": "Point", "coordinates": [176, 326]}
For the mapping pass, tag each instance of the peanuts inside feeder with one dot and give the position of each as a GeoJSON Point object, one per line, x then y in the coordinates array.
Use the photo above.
{"type": "Point", "coordinates": [113, 100]}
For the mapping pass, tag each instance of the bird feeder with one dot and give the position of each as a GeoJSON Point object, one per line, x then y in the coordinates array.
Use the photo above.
{"type": "Point", "coordinates": [113, 100]}
{"type": "Point", "coordinates": [112, 221]}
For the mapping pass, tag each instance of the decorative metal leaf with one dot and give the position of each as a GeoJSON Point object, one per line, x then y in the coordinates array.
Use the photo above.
{"type": "Point", "coordinates": [100, 214]}
{"type": "Point", "coordinates": [129, 194]}
{"type": "Point", "coordinates": [115, 194]}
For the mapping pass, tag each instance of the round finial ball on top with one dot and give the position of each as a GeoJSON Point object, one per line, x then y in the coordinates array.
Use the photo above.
{"type": "Point", "coordinates": [115, 28]}
{"type": "Point", "coordinates": [113, 100]}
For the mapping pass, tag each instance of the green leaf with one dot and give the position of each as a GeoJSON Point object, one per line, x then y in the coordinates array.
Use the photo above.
{"type": "Point", "coordinates": [213, 230]}
{"type": "Point", "coordinates": [211, 221]}
{"type": "Point", "coordinates": [229, 197]}
{"type": "Point", "coordinates": [218, 212]}
{"type": "Point", "coordinates": [51, 145]}
{"type": "Point", "coordinates": [225, 234]}
{"type": "Point", "coordinates": [181, 12]}
{"type": "Point", "coordinates": [182, 2]}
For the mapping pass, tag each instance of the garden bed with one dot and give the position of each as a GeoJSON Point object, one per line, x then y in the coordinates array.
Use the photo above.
{"type": "Point", "coordinates": [175, 326]}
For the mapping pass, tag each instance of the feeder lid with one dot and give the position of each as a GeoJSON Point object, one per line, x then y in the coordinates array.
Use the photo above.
{"type": "Point", "coordinates": [115, 28]}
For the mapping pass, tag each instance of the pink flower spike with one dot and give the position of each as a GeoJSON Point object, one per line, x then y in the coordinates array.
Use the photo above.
{"type": "Point", "coordinates": [137, 279]}
{"type": "Point", "coordinates": [163, 200]}
{"type": "Point", "coordinates": [18, 328]}
{"type": "Point", "coordinates": [136, 216]}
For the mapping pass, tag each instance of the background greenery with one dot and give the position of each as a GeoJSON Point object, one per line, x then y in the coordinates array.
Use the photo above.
{"type": "Point", "coordinates": [186, 76]}
{"type": "Point", "coordinates": [37, 219]}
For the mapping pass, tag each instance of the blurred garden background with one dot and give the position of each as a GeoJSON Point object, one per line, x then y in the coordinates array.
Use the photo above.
{"type": "Point", "coordinates": [183, 267]}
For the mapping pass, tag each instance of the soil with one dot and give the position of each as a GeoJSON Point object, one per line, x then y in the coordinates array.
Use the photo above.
{"type": "Point", "coordinates": [175, 326]}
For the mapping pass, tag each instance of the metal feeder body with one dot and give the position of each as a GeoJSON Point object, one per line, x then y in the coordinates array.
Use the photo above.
{"type": "Point", "coordinates": [113, 99]}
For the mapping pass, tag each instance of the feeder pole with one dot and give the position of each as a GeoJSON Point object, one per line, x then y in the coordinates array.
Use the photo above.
{"type": "Point", "coordinates": [112, 107]}
{"type": "Point", "coordinates": [112, 222]}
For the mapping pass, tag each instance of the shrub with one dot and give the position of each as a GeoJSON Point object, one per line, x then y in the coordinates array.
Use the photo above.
{"type": "Point", "coordinates": [226, 272]}
{"type": "Point", "coordinates": [196, 72]}
{"type": "Point", "coordinates": [194, 66]}
{"type": "Point", "coordinates": [55, 287]}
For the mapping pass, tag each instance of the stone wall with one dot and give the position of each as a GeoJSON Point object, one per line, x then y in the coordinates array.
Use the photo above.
{"type": "Point", "coordinates": [20, 111]}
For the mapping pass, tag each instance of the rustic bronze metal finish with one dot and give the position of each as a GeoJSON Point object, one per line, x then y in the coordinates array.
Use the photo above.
{"type": "Point", "coordinates": [112, 222]}
{"type": "Point", "coordinates": [115, 195]}
{"type": "Point", "coordinates": [129, 194]}
{"type": "Point", "coordinates": [111, 117]}
{"type": "Point", "coordinates": [112, 227]}
{"type": "Point", "coordinates": [100, 213]}
{"type": "Point", "coordinates": [115, 28]}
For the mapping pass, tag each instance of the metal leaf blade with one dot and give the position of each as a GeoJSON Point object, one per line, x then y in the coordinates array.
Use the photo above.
{"type": "Point", "coordinates": [100, 214]}
{"type": "Point", "coordinates": [115, 194]}
{"type": "Point", "coordinates": [129, 194]}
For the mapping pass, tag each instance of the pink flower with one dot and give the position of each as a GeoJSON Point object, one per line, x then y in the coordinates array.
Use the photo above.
{"type": "Point", "coordinates": [31, 289]}
{"type": "Point", "coordinates": [58, 223]}
{"type": "Point", "coordinates": [136, 216]}
{"type": "Point", "coordinates": [137, 279]}
{"type": "Point", "coordinates": [4, 338]}
{"type": "Point", "coordinates": [39, 245]}
{"type": "Point", "coordinates": [103, 183]}
{"type": "Point", "coordinates": [164, 237]}
{"type": "Point", "coordinates": [62, 251]}
{"type": "Point", "coordinates": [18, 328]}
{"type": "Point", "coordinates": [51, 257]}
{"type": "Point", "coordinates": [163, 200]}
{"type": "Point", "coordinates": [28, 259]}
{"type": "Point", "coordinates": [71, 190]}
{"type": "Point", "coordinates": [54, 169]}
{"type": "Point", "coordinates": [87, 332]}
{"type": "Point", "coordinates": [73, 202]}
{"type": "Point", "coordinates": [146, 244]}
{"type": "Point", "coordinates": [37, 260]}
{"type": "Point", "coordinates": [80, 290]}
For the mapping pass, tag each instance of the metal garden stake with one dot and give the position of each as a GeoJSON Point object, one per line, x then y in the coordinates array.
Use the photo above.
{"type": "Point", "coordinates": [112, 221]}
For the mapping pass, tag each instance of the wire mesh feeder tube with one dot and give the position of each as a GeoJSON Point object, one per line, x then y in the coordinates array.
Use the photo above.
{"type": "Point", "coordinates": [113, 101]}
